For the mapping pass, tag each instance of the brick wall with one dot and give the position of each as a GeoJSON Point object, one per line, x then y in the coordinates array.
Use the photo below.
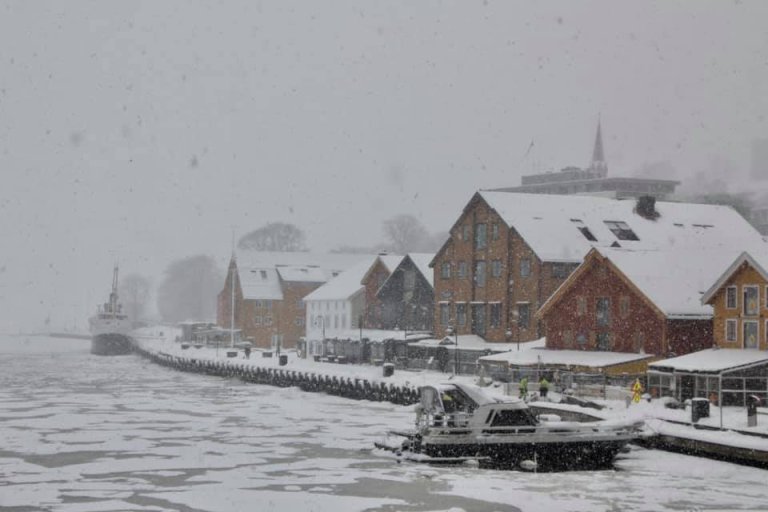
{"type": "Point", "coordinates": [522, 278]}
{"type": "Point", "coordinates": [572, 322]}
{"type": "Point", "coordinates": [373, 316]}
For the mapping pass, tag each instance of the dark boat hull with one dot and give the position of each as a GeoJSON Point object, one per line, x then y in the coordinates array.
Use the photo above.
{"type": "Point", "coordinates": [583, 455]}
{"type": "Point", "coordinates": [111, 345]}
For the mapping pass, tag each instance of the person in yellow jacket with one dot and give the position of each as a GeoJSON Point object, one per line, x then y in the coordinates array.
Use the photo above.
{"type": "Point", "coordinates": [637, 391]}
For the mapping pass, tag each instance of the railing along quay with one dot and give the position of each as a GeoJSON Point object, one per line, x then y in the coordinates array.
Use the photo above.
{"type": "Point", "coordinates": [357, 388]}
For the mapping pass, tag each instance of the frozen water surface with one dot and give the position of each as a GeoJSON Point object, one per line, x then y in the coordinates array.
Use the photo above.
{"type": "Point", "coordinates": [87, 433]}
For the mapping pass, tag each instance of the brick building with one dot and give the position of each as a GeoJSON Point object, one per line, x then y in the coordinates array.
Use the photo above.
{"type": "Point", "coordinates": [269, 292]}
{"type": "Point", "coordinates": [508, 252]}
{"type": "Point", "coordinates": [641, 301]}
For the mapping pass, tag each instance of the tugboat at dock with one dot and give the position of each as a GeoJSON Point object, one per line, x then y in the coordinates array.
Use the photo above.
{"type": "Point", "coordinates": [110, 326]}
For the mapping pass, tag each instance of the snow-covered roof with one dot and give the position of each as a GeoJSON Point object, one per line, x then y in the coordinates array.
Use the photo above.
{"type": "Point", "coordinates": [674, 279]}
{"type": "Point", "coordinates": [260, 283]}
{"type": "Point", "coordinates": [712, 360]}
{"type": "Point", "coordinates": [544, 357]}
{"type": "Point", "coordinates": [758, 261]}
{"type": "Point", "coordinates": [345, 285]}
{"type": "Point", "coordinates": [550, 224]}
{"type": "Point", "coordinates": [261, 272]}
{"type": "Point", "coordinates": [302, 274]}
{"type": "Point", "coordinates": [375, 335]}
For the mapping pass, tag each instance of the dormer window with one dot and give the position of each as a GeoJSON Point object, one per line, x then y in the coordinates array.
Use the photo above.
{"type": "Point", "coordinates": [621, 230]}
{"type": "Point", "coordinates": [584, 230]}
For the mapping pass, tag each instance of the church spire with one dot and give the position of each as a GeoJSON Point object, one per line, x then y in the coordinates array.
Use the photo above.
{"type": "Point", "coordinates": [598, 156]}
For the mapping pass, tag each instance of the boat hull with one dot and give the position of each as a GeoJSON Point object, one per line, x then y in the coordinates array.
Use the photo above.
{"type": "Point", "coordinates": [569, 456]}
{"type": "Point", "coordinates": [111, 344]}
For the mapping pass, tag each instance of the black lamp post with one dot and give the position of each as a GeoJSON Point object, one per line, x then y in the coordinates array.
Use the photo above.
{"type": "Point", "coordinates": [450, 330]}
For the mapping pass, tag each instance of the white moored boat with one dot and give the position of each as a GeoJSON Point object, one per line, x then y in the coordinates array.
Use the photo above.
{"type": "Point", "coordinates": [110, 327]}
{"type": "Point", "coordinates": [457, 422]}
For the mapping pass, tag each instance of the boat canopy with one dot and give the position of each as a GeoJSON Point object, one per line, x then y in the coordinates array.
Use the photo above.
{"type": "Point", "coordinates": [449, 397]}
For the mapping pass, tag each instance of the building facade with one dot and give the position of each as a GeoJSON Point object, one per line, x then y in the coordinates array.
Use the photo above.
{"type": "Point", "coordinates": [740, 302]}
{"type": "Point", "coordinates": [269, 289]}
{"type": "Point", "coordinates": [507, 253]}
{"type": "Point", "coordinates": [374, 279]}
{"type": "Point", "coordinates": [601, 308]}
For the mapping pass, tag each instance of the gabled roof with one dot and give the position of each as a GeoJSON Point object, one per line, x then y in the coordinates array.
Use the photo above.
{"type": "Point", "coordinates": [345, 285]}
{"type": "Point", "coordinates": [262, 273]}
{"type": "Point", "coordinates": [672, 279]}
{"type": "Point", "coordinates": [389, 261]}
{"type": "Point", "coordinates": [550, 224]}
{"type": "Point", "coordinates": [420, 262]}
{"type": "Point", "coordinates": [744, 257]}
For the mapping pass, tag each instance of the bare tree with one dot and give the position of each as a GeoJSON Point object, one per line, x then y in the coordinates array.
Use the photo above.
{"type": "Point", "coordinates": [406, 234]}
{"type": "Point", "coordinates": [189, 289]}
{"type": "Point", "coordinates": [134, 293]}
{"type": "Point", "coordinates": [275, 236]}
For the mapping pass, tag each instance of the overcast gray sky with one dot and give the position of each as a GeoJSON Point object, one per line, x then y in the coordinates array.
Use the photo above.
{"type": "Point", "coordinates": [144, 130]}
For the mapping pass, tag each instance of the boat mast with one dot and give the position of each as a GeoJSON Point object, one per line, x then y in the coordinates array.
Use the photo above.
{"type": "Point", "coordinates": [232, 286]}
{"type": "Point", "coordinates": [113, 295]}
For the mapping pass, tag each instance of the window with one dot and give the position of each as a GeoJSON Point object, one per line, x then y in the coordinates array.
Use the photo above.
{"type": "Point", "coordinates": [750, 333]}
{"type": "Point", "coordinates": [624, 306]}
{"type": "Point", "coordinates": [495, 320]}
{"type": "Point", "coordinates": [267, 320]}
{"type": "Point", "coordinates": [409, 279]}
{"type": "Point", "coordinates": [343, 320]}
{"type": "Point", "coordinates": [584, 230]}
{"type": "Point", "coordinates": [461, 314]}
{"type": "Point", "coordinates": [496, 268]}
{"type": "Point", "coordinates": [263, 274]}
{"type": "Point", "coordinates": [603, 341]}
{"type": "Point", "coordinates": [560, 270]}
{"type": "Point", "coordinates": [299, 321]}
{"type": "Point", "coordinates": [478, 319]}
{"type": "Point", "coordinates": [603, 311]}
{"type": "Point", "coordinates": [445, 270]}
{"type": "Point", "coordinates": [621, 230]}
{"type": "Point", "coordinates": [480, 273]}
{"type": "Point", "coordinates": [581, 305]}
{"type": "Point", "coordinates": [335, 321]}
{"type": "Point", "coordinates": [730, 330]}
{"type": "Point", "coordinates": [465, 233]}
{"type": "Point", "coordinates": [268, 305]}
{"type": "Point", "coordinates": [751, 302]}
{"type": "Point", "coordinates": [300, 303]}
{"type": "Point", "coordinates": [481, 240]}
{"type": "Point", "coordinates": [257, 320]}
{"type": "Point", "coordinates": [462, 270]}
{"type": "Point", "coordinates": [525, 267]}
{"type": "Point", "coordinates": [445, 313]}
{"type": "Point", "coordinates": [581, 340]}
{"type": "Point", "coordinates": [494, 231]}
{"type": "Point", "coordinates": [523, 315]}
{"type": "Point", "coordinates": [730, 297]}
{"type": "Point", "coordinates": [638, 341]}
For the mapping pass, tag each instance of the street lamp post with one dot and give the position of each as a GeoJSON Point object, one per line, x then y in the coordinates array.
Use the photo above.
{"type": "Point", "coordinates": [450, 330]}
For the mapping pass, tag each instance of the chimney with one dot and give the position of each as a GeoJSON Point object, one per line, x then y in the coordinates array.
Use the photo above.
{"type": "Point", "coordinates": [646, 207]}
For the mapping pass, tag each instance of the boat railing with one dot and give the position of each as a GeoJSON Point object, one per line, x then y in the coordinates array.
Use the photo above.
{"type": "Point", "coordinates": [460, 423]}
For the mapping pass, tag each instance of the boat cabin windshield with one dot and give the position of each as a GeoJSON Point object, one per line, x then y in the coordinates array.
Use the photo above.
{"type": "Point", "coordinates": [513, 418]}
{"type": "Point", "coordinates": [447, 400]}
